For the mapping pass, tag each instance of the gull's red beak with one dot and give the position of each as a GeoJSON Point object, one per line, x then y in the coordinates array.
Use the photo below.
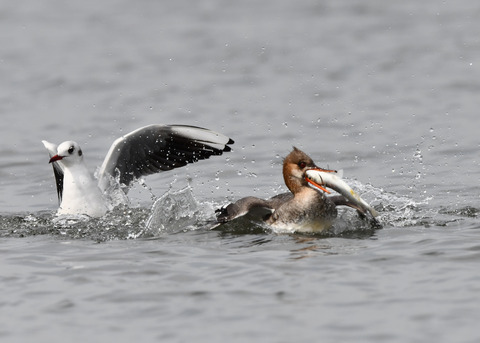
{"type": "Point", "coordinates": [55, 158]}
{"type": "Point", "coordinates": [316, 184]}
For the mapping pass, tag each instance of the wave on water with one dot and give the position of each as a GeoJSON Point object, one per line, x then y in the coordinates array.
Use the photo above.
{"type": "Point", "coordinates": [180, 211]}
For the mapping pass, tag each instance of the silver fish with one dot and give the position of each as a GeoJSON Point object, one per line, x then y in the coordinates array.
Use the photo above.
{"type": "Point", "coordinates": [320, 178]}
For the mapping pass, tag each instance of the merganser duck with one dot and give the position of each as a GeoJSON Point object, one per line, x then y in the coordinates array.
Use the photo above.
{"type": "Point", "coordinates": [147, 150]}
{"type": "Point", "coordinates": [304, 209]}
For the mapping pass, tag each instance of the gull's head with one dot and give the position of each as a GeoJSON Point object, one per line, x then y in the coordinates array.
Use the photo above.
{"type": "Point", "coordinates": [69, 153]}
{"type": "Point", "coordinates": [295, 166]}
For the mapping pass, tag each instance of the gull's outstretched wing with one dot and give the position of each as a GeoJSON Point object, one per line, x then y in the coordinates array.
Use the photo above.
{"type": "Point", "coordinates": [155, 148]}
{"type": "Point", "coordinates": [57, 169]}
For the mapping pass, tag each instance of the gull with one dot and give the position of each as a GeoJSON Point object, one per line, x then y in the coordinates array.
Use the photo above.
{"type": "Point", "coordinates": [147, 150]}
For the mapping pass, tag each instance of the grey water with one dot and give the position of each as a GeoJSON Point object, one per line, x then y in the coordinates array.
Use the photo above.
{"type": "Point", "coordinates": [387, 91]}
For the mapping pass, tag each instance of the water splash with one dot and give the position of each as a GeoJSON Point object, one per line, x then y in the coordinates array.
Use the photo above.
{"type": "Point", "coordinates": [177, 211]}
{"type": "Point", "coordinates": [120, 223]}
{"type": "Point", "coordinates": [395, 209]}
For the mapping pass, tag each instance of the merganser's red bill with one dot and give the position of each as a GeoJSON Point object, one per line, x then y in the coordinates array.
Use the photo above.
{"type": "Point", "coordinates": [318, 185]}
{"type": "Point", "coordinates": [55, 158]}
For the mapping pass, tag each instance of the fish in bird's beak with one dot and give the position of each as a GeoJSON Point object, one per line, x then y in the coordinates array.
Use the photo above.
{"type": "Point", "coordinates": [319, 178]}
{"type": "Point", "coordinates": [312, 182]}
{"type": "Point", "coordinates": [55, 158]}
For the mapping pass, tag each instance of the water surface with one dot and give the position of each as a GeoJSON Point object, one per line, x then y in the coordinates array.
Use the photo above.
{"type": "Point", "coordinates": [388, 92]}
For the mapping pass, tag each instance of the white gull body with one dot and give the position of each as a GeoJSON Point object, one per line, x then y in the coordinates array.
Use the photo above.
{"type": "Point", "coordinates": [145, 151]}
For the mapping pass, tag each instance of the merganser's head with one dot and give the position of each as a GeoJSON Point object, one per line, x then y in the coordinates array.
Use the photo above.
{"type": "Point", "coordinates": [295, 165]}
{"type": "Point", "coordinates": [69, 153]}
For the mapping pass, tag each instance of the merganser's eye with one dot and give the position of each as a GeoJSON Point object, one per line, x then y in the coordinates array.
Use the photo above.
{"type": "Point", "coordinates": [71, 149]}
{"type": "Point", "coordinates": [302, 164]}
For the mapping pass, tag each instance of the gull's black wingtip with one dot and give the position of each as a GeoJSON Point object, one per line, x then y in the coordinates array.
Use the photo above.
{"type": "Point", "coordinates": [227, 148]}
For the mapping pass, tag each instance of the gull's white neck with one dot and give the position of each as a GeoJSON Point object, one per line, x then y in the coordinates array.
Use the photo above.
{"type": "Point", "coordinates": [81, 194]}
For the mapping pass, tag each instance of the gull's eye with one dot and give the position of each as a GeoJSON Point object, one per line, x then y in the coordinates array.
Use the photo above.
{"type": "Point", "coordinates": [302, 164]}
{"type": "Point", "coordinates": [71, 149]}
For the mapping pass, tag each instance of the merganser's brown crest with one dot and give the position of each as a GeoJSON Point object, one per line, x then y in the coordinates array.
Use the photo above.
{"type": "Point", "coordinates": [294, 167]}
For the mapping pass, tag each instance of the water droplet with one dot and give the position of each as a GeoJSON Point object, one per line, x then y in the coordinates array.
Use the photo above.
{"type": "Point", "coordinates": [285, 124]}
{"type": "Point", "coordinates": [418, 155]}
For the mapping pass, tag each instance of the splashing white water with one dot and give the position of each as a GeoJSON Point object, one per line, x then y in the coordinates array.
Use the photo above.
{"type": "Point", "coordinates": [177, 211]}
{"type": "Point", "coordinates": [394, 209]}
